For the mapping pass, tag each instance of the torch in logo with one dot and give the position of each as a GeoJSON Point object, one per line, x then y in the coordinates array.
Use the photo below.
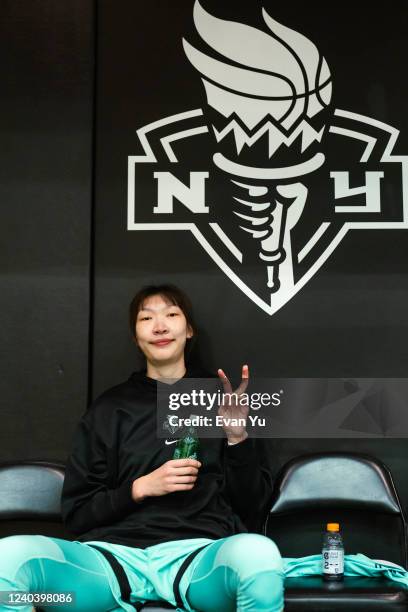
{"type": "Point", "coordinates": [267, 93]}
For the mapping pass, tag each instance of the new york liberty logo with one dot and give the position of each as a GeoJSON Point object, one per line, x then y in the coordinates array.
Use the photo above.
{"type": "Point", "coordinates": [268, 175]}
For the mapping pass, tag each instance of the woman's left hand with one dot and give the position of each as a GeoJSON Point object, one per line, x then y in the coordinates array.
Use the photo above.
{"type": "Point", "coordinates": [232, 408]}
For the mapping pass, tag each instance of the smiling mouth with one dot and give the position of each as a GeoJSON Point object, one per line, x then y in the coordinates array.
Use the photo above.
{"type": "Point", "coordinates": [162, 342]}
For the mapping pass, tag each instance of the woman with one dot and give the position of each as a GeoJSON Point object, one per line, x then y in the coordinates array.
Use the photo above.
{"type": "Point", "coordinates": [148, 527]}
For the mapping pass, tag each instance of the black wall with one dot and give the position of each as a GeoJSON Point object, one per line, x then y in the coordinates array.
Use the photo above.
{"type": "Point", "coordinates": [47, 64]}
{"type": "Point", "coordinates": [350, 319]}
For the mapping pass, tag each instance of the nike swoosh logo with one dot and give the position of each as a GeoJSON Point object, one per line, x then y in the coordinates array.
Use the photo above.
{"type": "Point", "coordinates": [170, 441]}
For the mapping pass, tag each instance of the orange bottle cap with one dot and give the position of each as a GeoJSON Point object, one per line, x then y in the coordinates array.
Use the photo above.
{"type": "Point", "coordinates": [333, 527]}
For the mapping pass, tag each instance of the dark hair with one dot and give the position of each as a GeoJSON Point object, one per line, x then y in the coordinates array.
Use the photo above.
{"type": "Point", "coordinates": [170, 293]}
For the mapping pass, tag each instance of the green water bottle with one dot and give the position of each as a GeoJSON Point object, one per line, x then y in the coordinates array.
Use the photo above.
{"type": "Point", "coordinates": [187, 447]}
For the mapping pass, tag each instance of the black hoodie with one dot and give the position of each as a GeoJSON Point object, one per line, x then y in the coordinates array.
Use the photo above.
{"type": "Point", "coordinates": [116, 442]}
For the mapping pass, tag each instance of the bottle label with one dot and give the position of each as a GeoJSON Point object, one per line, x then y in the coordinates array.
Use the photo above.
{"type": "Point", "coordinates": [186, 450]}
{"type": "Point", "coordinates": [333, 561]}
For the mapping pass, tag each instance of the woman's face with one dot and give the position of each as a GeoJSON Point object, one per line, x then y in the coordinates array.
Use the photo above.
{"type": "Point", "coordinates": [161, 331]}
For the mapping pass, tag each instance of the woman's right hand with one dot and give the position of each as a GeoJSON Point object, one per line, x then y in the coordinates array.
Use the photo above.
{"type": "Point", "coordinates": [174, 475]}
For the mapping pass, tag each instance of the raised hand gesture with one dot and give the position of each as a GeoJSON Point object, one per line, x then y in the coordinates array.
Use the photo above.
{"type": "Point", "coordinates": [232, 408]}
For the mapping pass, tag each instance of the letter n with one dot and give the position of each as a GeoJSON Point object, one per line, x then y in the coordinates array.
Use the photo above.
{"type": "Point", "coordinates": [192, 196]}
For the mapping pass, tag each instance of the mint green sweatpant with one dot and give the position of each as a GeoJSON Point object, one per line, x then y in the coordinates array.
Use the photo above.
{"type": "Point", "coordinates": [242, 573]}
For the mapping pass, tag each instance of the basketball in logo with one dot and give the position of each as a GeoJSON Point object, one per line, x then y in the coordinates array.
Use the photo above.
{"type": "Point", "coordinates": [268, 82]}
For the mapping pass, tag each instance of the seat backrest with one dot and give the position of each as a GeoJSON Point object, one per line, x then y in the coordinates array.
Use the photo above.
{"type": "Point", "coordinates": [355, 490]}
{"type": "Point", "coordinates": [31, 490]}
{"type": "Point", "coordinates": [344, 480]}
{"type": "Point", "coordinates": [30, 498]}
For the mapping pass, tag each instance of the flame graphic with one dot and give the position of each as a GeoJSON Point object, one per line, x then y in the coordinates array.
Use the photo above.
{"type": "Point", "coordinates": [280, 73]}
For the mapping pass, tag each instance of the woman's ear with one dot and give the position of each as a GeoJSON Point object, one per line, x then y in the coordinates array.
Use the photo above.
{"type": "Point", "coordinates": [190, 332]}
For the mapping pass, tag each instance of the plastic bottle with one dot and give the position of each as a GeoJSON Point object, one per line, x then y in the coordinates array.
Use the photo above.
{"type": "Point", "coordinates": [187, 447]}
{"type": "Point", "coordinates": [333, 553]}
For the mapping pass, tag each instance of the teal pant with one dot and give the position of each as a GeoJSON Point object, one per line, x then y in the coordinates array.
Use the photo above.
{"type": "Point", "coordinates": [242, 573]}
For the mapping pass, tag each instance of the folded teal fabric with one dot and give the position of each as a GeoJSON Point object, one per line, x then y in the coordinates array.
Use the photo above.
{"type": "Point", "coordinates": [354, 565]}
